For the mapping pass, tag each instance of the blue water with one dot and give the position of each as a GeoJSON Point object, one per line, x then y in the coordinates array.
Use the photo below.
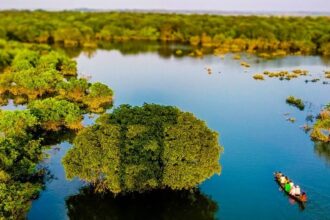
{"type": "Point", "coordinates": [248, 114]}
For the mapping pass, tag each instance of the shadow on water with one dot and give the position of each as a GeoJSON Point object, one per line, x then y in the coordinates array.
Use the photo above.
{"type": "Point", "coordinates": [323, 150]}
{"type": "Point", "coordinates": [158, 205]}
{"type": "Point", "coordinates": [164, 50]}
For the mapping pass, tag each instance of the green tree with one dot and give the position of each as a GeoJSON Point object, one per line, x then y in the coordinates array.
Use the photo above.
{"type": "Point", "coordinates": [144, 148]}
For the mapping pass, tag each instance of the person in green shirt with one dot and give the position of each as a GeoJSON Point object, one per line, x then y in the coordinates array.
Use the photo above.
{"type": "Point", "coordinates": [287, 187]}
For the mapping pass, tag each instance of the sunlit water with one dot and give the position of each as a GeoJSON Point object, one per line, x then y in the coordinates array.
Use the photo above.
{"type": "Point", "coordinates": [248, 114]}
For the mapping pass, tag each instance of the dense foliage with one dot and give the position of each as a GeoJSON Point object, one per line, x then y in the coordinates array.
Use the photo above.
{"type": "Point", "coordinates": [35, 72]}
{"type": "Point", "coordinates": [47, 80]}
{"type": "Point", "coordinates": [321, 128]}
{"type": "Point", "coordinates": [144, 148]}
{"type": "Point", "coordinates": [20, 152]}
{"type": "Point", "coordinates": [280, 35]}
{"type": "Point", "coordinates": [161, 204]}
{"type": "Point", "coordinates": [53, 113]}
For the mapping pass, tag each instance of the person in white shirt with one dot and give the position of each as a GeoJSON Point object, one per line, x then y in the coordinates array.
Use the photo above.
{"type": "Point", "coordinates": [297, 191]}
{"type": "Point", "coordinates": [292, 191]}
{"type": "Point", "coordinates": [292, 185]}
{"type": "Point", "coordinates": [282, 179]}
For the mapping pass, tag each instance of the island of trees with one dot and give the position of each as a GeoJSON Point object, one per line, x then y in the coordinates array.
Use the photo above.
{"type": "Point", "coordinates": [267, 36]}
{"type": "Point", "coordinates": [137, 149]}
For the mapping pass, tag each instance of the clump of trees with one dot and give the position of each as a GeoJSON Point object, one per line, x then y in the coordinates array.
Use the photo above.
{"type": "Point", "coordinates": [321, 128]}
{"type": "Point", "coordinates": [46, 80]}
{"type": "Point", "coordinates": [20, 152]}
{"type": "Point", "coordinates": [36, 73]}
{"type": "Point", "coordinates": [267, 36]}
{"type": "Point", "coordinates": [98, 98]}
{"type": "Point", "coordinates": [291, 100]}
{"type": "Point", "coordinates": [52, 114]}
{"type": "Point", "coordinates": [144, 148]}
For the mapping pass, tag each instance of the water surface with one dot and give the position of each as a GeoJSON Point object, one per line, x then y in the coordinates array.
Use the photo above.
{"type": "Point", "coordinates": [248, 114]}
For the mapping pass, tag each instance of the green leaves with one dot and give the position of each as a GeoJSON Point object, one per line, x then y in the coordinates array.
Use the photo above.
{"type": "Point", "coordinates": [16, 122]}
{"type": "Point", "coordinates": [53, 113]}
{"type": "Point", "coordinates": [14, 197]}
{"type": "Point", "coordinates": [144, 148]}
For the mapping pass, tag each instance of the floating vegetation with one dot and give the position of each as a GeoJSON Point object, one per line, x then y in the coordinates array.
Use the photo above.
{"type": "Point", "coordinates": [245, 64]}
{"type": "Point", "coordinates": [315, 80]}
{"type": "Point", "coordinates": [178, 52]}
{"type": "Point", "coordinates": [321, 128]}
{"type": "Point", "coordinates": [258, 77]}
{"type": "Point", "coordinates": [291, 119]}
{"type": "Point", "coordinates": [306, 127]}
{"type": "Point", "coordinates": [285, 75]}
{"type": "Point", "coordinates": [327, 74]}
{"type": "Point", "coordinates": [291, 100]}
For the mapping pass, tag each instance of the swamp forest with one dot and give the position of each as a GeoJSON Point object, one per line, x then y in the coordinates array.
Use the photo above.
{"type": "Point", "coordinates": [118, 115]}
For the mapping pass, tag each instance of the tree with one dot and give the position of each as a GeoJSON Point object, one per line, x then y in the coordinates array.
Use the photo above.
{"type": "Point", "coordinates": [144, 148]}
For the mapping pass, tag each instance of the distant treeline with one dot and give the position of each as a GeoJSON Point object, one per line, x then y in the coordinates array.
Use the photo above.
{"type": "Point", "coordinates": [255, 34]}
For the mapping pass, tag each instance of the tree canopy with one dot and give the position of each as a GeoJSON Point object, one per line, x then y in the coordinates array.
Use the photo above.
{"type": "Point", "coordinates": [33, 72]}
{"type": "Point", "coordinates": [280, 34]}
{"type": "Point", "coordinates": [144, 148]}
{"type": "Point", "coordinates": [20, 152]}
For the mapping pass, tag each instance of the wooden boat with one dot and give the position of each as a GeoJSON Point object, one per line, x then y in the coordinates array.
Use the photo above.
{"type": "Point", "coordinates": [296, 198]}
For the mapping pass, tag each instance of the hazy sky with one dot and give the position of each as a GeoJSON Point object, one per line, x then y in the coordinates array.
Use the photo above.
{"type": "Point", "coordinates": [222, 5]}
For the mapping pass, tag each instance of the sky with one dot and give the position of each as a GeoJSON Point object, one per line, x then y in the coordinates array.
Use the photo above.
{"type": "Point", "coordinates": [214, 5]}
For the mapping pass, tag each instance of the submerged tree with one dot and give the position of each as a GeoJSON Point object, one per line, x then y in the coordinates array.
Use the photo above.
{"type": "Point", "coordinates": [144, 148]}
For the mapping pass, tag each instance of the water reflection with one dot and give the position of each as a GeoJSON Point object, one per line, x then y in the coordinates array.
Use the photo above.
{"type": "Point", "coordinates": [323, 150]}
{"type": "Point", "coordinates": [158, 205]}
{"type": "Point", "coordinates": [164, 50]}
